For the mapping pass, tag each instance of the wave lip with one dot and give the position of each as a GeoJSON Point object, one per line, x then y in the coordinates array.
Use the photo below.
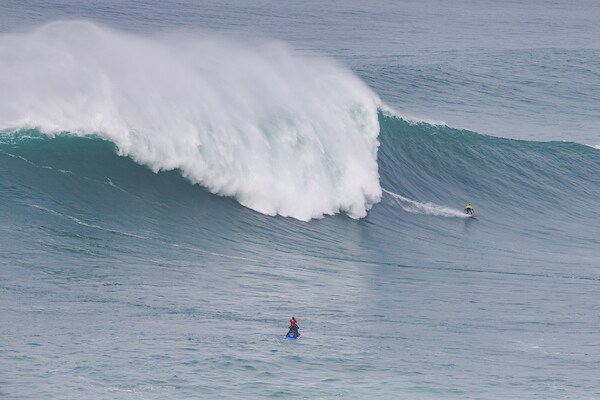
{"type": "Point", "coordinates": [284, 134]}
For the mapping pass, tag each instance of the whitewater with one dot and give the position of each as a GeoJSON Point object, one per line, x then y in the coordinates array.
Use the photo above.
{"type": "Point", "coordinates": [178, 179]}
{"type": "Point", "coordinates": [284, 134]}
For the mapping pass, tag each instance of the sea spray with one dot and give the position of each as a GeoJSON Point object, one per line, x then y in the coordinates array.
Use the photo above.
{"type": "Point", "coordinates": [282, 133]}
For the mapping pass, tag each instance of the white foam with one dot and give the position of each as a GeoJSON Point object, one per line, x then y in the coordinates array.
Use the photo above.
{"type": "Point", "coordinates": [416, 207]}
{"type": "Point", "coordinates": [282, 133]}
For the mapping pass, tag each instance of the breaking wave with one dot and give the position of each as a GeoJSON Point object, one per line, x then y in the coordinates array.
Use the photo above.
{"type": "Point", "coordinates": [283, 133]}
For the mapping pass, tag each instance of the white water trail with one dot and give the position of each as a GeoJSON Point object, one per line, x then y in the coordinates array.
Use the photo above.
{"type": "Point", "coordinates": [282, 133]}
{"type": "Point", "coordinates": [416, 207]}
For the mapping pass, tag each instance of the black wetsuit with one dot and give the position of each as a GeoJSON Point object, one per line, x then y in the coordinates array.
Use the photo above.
{"type": "Point", "coordinates": [294, 330]}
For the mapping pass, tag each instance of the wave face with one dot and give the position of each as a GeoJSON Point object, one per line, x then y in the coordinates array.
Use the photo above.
{"type": "Point", "coordinates": [282, 133]}
{"type": "Point", "coordinates": [426, 171]}
{"type": "Point", "coordinates": [439, 163]}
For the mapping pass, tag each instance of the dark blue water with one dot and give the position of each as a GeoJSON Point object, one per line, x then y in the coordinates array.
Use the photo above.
{"type": "Point", "coordinates": [179, 179]}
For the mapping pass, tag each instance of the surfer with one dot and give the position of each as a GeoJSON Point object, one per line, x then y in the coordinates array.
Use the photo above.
{"type": "Point", "coordinates": [469, 209]}
{"type": "Point", "coordinates": [293, 327]}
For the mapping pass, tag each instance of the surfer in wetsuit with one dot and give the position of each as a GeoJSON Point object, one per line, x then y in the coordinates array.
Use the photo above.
{"type": "Point", "coordinates": [293, 327]}
{"type": "Point", "coordinates": [469, 209]}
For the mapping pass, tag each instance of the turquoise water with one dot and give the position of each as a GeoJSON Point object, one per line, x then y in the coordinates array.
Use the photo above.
{"type": "Point", "coordinates": [179, 179]}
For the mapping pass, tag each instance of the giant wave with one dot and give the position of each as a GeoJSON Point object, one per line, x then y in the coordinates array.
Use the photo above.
{"type": "Point", "coordinates": [283, 134]}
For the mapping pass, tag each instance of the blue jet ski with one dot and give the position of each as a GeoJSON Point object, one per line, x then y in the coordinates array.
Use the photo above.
{"type": "Point", "coordinates": [292, 335]}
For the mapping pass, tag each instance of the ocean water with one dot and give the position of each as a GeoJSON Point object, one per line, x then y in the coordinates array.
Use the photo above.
{"type": "Point", "coordinates": [179, 178]}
